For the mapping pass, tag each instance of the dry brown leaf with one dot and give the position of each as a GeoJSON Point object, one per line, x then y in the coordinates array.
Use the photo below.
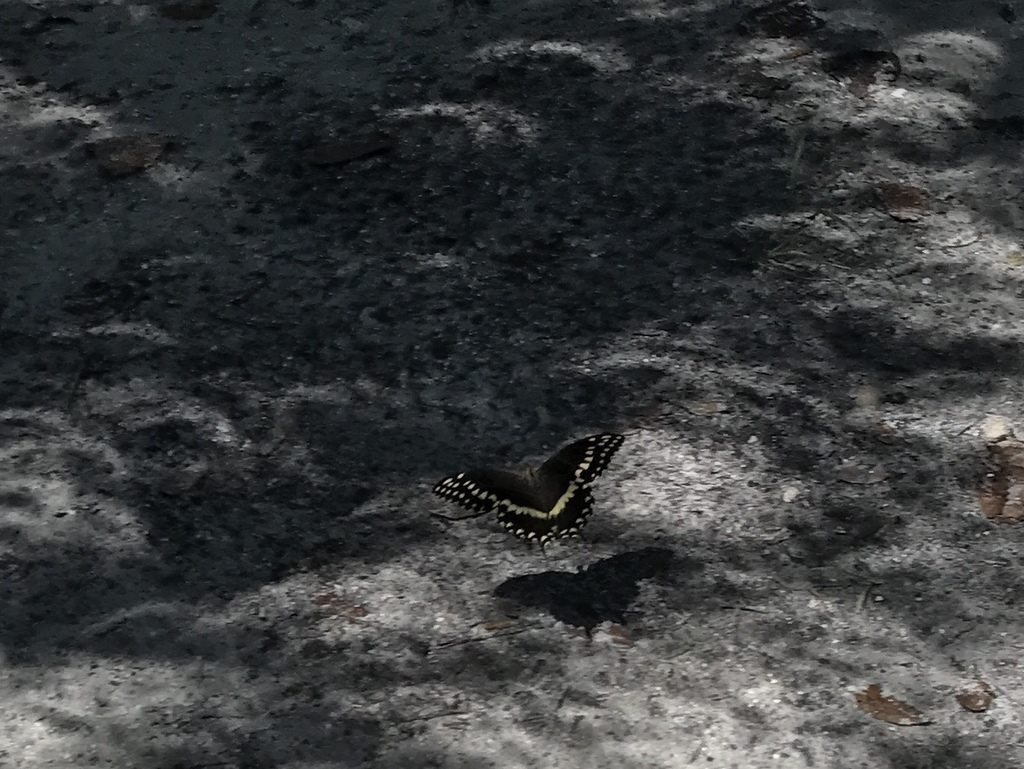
{"type": "Point", "coordinates": [991, 503]}
{"type": "Point", "coordinates": [888, 709]}
{"type": "Point", "coordinates": [620, 635]}
{"type": "Point", "coordinates": [335, 605]}
{"type": "Point", "coordinates": [978, 699]}
{"type": "Point", "coordinates": [1001, 495]}
{"type": "Point", "coordinates": [189, 10]}
{"type": "Point", "coordinates": [903, 202]}
{"type": "Point", "coordinates": [336, 153]}
{"type": "Point", "coordinates": [124, 155]}
{"type": "Point", "coordinates": [859, 474]}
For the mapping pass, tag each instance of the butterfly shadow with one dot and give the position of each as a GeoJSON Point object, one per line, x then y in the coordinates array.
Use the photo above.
{"type": "Point", "coordinates": [601, 592]}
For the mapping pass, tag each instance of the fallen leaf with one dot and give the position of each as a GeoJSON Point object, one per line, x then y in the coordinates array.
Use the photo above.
{"type": "Point", "coordinates": [978, 699]}
{"type": "Point", "coordinates": [1015, 258]}
{"type": "Point", "coordinates": [888, 709]}
{"type": "Point", "coordinates": [124, 155]}
{"type": "Point", "coordinates": [1001, 495]}
{"type": "Point", "coordinates": [194, 10]}
{"type": "Point", "coordinates": [620, 635]}
{"type": "Point", "coordinates": [903, 202]}
{"type": "Point", "coordinates": [991, 499]}
{"type": "Point", "coordinates": [860, 474]}
{"type": "Point", "coordinates": [336, 153]}
{"type": "Point", "coordinates": [335, 605]}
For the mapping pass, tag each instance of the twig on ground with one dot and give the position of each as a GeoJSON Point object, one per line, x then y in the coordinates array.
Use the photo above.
{"type": "Point", "coordinates": [961, 245]}
{"type": "Point", "coordinates": [433, 716]}
{"type": "Point", "coordinates": [863, 599]}
{"type": "Point", "coordinates": [477, 639]}
{"type": "Point", "coordinates": [948, 641]}
{"type": "Point", "coordinates": [975, 423]}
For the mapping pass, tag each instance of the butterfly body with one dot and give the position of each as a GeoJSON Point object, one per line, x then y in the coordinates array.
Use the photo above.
{"type": "Point", "coordinates": [541, 504]}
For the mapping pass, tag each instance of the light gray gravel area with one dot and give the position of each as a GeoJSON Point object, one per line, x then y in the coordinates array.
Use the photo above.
{"type": "Point", "coordinates": [345, 249]}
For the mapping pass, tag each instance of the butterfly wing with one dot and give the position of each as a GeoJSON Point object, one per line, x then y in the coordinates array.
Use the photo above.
{"type": "Point", "coordinates": [581, 462]}
{"type": "Point", "coordinates": [563, 519]}
{"type": "Point", "coordinates": [482, 490]}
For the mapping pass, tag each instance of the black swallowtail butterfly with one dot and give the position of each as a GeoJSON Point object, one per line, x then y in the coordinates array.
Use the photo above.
{"type": "Point", "coordinates": [550, 502]}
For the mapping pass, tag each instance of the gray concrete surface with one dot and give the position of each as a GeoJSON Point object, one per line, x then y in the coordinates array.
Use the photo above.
{"type": "Point", "coordinates": [228, 381]}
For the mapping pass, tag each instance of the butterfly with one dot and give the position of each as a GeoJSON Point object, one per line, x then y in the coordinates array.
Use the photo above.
{"type": "Point", "coordinates": [548, 503]}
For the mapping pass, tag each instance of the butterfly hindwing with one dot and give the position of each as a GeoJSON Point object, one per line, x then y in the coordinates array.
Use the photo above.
{"type": "Point", "coordinates": [564, 519]}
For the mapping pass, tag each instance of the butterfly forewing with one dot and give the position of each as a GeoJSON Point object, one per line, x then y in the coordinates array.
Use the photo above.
{"type": "Point", "coordinates": [582, 461]}
{"type": "Point", "coordinates": [483, 490]}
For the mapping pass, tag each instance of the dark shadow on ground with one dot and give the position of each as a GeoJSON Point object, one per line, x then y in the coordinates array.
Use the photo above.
{"type": "Point", "coordinates": [603, 592]}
